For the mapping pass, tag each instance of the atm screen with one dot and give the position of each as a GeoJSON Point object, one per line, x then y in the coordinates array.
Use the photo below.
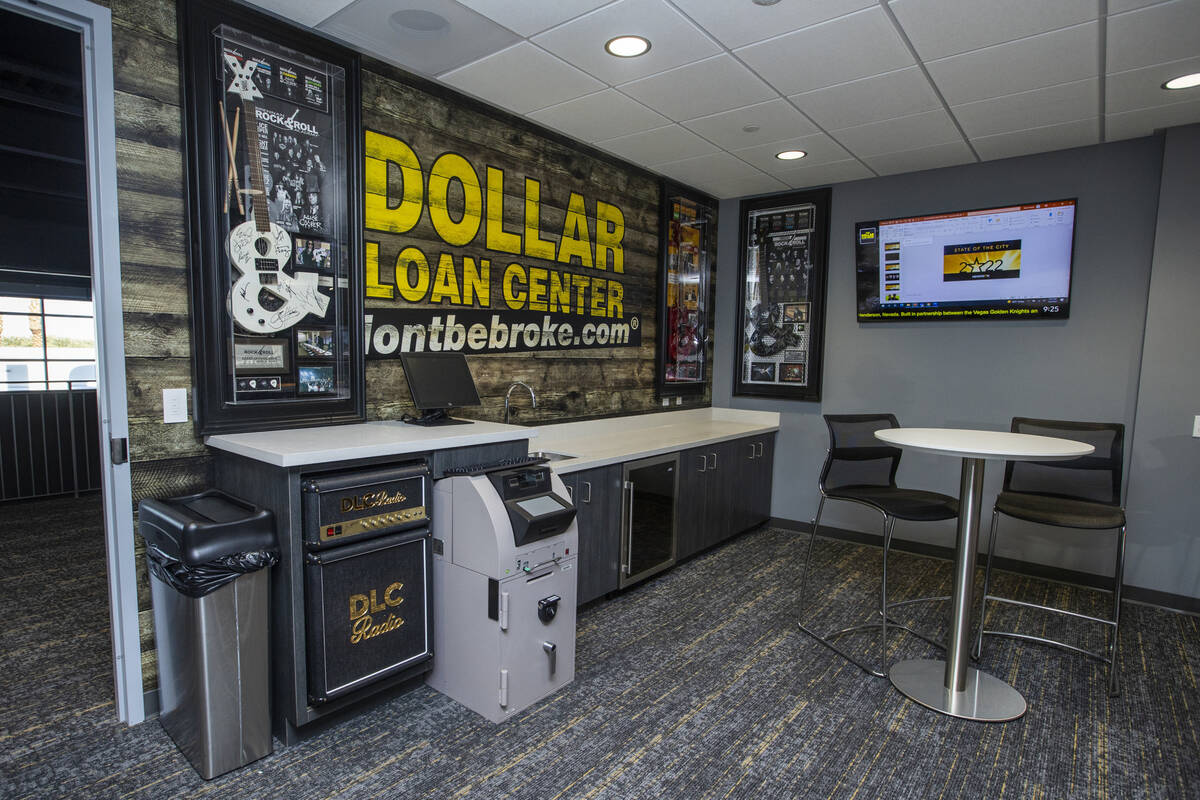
{"type": "Point", "coordinates": [541, 505]}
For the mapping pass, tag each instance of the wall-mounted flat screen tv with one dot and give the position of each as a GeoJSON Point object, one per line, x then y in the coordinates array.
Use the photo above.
{"type": "Point", "coordinates": [1012, 262]}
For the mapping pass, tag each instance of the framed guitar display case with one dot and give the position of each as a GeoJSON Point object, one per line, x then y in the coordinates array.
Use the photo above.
{"type": "Point", "coordinates": [273, 139]}
{"type": "Point", "coordinates": [689, 247]}
{"type": "Point", "coordinates": [781, 304]}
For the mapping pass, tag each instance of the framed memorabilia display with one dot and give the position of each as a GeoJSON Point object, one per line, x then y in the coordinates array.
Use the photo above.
{"type": "Point", "coordinates": [271, 118]}
{"type": "Point", "coordinates": [689, 247]}
{"type": "Point", "coordinates": [784, 245]}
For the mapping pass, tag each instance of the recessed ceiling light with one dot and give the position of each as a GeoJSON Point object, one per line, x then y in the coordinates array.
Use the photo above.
{"type": "Point", "coordinates": [1183, 81]}
{"type": "Point", "coordinates": [750, 129]}
{"type": "Point", "coordinates": [419, 22]}
{"type": "Point", "coordinates": [627, 46]}
{"type": "Point", "coordinates": [790, 155]}
{"type": "Point", "coordinates": [765, 2]}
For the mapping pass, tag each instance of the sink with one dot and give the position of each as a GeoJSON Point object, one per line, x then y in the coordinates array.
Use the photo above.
{"type": "Point", "coordinates": [551, 456]}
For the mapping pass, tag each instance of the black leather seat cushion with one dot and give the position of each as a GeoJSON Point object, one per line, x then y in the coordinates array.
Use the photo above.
{"type": "Point", "coordinates": [1060, 511]}
{"type": "Point", "coordinates": [910, 504]}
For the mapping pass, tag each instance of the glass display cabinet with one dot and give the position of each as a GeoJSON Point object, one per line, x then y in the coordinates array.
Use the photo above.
{"type": "Point", "coordinates": [689, 247]}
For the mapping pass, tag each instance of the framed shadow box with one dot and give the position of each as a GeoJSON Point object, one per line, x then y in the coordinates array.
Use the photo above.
{"type": "Point", "coordinates": [689, 249]}
{"type": "Point", "coordinates": [783, 253]}
{"type": "Point", "coordinates": [271, 122]}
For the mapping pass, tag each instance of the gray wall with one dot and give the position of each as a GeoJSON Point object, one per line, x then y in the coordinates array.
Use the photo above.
{"type": "Point", "coordinates": [1164, 481]}
{"type": "Point", "coordinates": [977, 374]}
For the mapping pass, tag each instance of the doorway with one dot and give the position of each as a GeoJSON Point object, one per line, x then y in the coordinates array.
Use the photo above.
{"type": "Point", "coordinates": [62, 363]}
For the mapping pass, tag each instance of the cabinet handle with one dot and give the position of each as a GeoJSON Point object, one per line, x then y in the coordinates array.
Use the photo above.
{"type": "Point", "coordinates": [760, 449]}
{"type": "Point", "coordinates": [587, 485]}
{"type": "Point", "coordinates": [714, 458]}
{"type": "Point", "coordinates": [703, 463]}
{"type": "Point", "coordinates": [571, 493]}
{"type": "Point", "coordinates": [628, 488]}
{"type": "Point", "coordinates": [752, 451]}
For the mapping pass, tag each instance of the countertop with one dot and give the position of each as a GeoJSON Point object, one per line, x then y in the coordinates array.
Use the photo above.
{"type": "Point", "coordinates": [298, 447]}
{"type": "Point", "coordinates": [598, 443]}
{"type": "Point", "coordinates": [593, 443]}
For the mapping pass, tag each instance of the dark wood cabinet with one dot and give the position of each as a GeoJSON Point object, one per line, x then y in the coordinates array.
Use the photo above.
{"type": "Point", "coordinates": [597, 497]}
{"type": "Point", "coordinates": [724, 488]}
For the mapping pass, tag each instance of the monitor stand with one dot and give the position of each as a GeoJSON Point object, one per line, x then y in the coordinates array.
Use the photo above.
{"type": "Point", "coordinates": [435, 416]}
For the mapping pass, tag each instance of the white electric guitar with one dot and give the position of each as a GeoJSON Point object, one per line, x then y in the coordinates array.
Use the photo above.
{"type": "Point", "coordinates": [260, 249]}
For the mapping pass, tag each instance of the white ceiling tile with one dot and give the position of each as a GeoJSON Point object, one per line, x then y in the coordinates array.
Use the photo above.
{"type": "Point", "coordinates": [1146, 121]}
{"type": "Point", "coordinates": [1118, 6]}
{"type": "Point", "coordinates": [740, 187]}
{"type": "Point", "coordinates": [304, 12]}
{"type": "Point", "coordinates": [938, 155]}
{"type": "Point", "coordinates": [855, 46]}
{"type": "Point", "coordinates": [928, 127]}
{"type": "Point", "coordinates": [1039, 140]}
{"type": "Point", "coordinates": [705, 87]}
{"type": "Point", "coordinates": [468, 37]}
{"type": "Point", "coordinates": [669, 143]}
{"type": "Point", "coordinates": [674, 40]}
{"type": "Point", "coordinates": [938, 28]}
{"type": "Point", "coordinates": [603, 115]}
{"type": "Point", "coordinates": [739, 23]}
{"type": "Point", "coordinates": [1164, 32]}
{"type": "Point", "coordinates": [716, 167]}
{"type": "Point", "coordinates": [776, 120]}
{"type": "Point", "coordinates": [820, 149]}
{"type": "Point", "coordinates": [892, 94]}
{"type": "Point", "coordinates": [820, 174]}
{"type": "Point", "coordinates": [529, 18]}
{"type": "Point", "coordinates": [1142, 88]}
{"type": "Point", "coordinates": [522, 78]}
{"type": "Point", "coordinates": [1066, 55]}
{"type": "Point", "coordinates": [1039, 107]}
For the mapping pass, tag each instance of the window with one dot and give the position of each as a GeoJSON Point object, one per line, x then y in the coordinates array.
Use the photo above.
{"type": "Point", "coordinates": [46, 344]}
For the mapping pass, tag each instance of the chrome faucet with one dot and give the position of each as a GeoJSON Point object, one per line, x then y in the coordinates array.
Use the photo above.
{"type": "Point", "coordinates": [508, 394]}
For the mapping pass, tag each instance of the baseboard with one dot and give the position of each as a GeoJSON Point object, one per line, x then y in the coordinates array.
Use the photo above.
{"type": "Point", "coordinates": [1136, 594]}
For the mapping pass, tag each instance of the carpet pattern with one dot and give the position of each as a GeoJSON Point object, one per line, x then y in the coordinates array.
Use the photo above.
{"type": "Point", "coordinates": [696, 684]}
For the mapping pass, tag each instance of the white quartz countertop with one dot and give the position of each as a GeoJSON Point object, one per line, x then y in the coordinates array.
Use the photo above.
{"type": "Point", "coordinates": [598, 443]}
{"type": "Point", "coordinates": [298, 447]}
{"type": "Point", "coordinates": [593, 443]}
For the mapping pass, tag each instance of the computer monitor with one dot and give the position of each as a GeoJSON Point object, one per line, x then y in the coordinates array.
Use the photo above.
{"type": "Point", "coordinates": [438, 382]}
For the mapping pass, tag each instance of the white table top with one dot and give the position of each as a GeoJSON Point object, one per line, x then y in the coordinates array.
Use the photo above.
{"type": "Point", "coordinates": [997, 445]}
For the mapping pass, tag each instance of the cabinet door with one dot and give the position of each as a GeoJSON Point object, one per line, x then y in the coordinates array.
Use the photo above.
{"type": "Point", "coordinates": [724, 482]}
{"type": "Point", "coordinates": [597, 497]}
{"type": "Point", "coordinates": [691, 510]}
{"type": "Point", "coordinates": [764, 472]}
{"type": "Point", "coordinates": [746, 481]}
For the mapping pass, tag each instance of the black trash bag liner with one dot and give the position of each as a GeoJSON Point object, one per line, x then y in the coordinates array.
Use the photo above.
{"type": "Point", "coordinates": [197, 581]}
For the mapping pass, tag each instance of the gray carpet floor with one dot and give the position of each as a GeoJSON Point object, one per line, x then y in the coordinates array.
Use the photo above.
{"type": "Point", "coordinates": [696, 684]}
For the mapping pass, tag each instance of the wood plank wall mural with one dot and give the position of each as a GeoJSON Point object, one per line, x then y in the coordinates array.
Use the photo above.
{"type": "Point", "coordinates": [572, 381]}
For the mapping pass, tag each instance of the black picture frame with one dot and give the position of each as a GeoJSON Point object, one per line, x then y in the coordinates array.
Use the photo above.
{"type": "Point", "coordinates": [781, 319]}
{"type": "Point", "coordinates": [225, 402]}
{"type": "Point", "coordinates": [669, 382]}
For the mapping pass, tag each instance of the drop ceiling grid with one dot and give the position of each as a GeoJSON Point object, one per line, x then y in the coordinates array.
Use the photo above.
{"type": "Point", "coordinates": [875, 86]}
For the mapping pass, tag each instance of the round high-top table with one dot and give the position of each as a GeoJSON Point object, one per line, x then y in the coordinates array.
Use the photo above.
{"type": "Point", "coordinates": [952, 686]}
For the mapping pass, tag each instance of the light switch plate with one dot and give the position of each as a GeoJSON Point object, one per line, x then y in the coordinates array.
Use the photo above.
{"type": "Point", "coordinates": [1196, 426]}
{"type": "Point", "coordinates": [175, 405]}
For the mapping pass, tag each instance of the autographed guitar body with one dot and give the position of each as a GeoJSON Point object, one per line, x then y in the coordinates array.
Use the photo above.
{"type": "Point", "coordinates": [259, 257]}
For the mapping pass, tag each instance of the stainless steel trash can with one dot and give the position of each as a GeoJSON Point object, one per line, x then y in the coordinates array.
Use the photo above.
{"type": "Point", "coordinates": [208, 556]}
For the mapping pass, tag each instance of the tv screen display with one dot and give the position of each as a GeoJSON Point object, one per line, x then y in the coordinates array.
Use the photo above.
{"type": "Point", "coordinates": [1012, 262]}
{"type": "Point", "coordinates": [439, 380]}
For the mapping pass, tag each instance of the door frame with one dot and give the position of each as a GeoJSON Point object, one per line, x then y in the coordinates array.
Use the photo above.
{"type": "Point", "coordinates": [94, 24]}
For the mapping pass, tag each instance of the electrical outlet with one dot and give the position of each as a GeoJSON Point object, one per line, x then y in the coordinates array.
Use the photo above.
{"type": "Point", "coordinates": [1196, 426]}
{"type": "Point", "coordinates": [666, 402]}
{"type": "Point", "coordinates": [679, 401]}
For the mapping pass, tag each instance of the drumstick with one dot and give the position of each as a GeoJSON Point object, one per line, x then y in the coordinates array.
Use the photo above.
{"type": "Point", "coordinates": [231, 149]}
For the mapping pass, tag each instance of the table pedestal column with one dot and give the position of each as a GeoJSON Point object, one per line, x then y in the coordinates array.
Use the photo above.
{"type": "Point", "coordinates": [951, 686]}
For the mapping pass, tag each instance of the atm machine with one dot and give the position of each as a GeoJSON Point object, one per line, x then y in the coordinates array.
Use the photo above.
{"type": "Point", "coordinates": [504, 555]}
